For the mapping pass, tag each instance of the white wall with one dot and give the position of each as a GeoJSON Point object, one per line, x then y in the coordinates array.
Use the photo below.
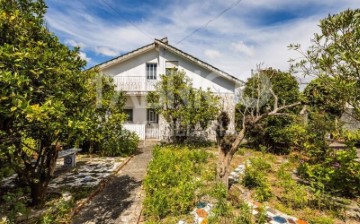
{"type": "Point", "coordinates": [200, 77]}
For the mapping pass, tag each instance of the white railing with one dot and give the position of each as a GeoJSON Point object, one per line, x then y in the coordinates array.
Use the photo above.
{"type": "Point", "coordinates": [139, 129]}
{"type": "Point", "coordinates": [134, 83]}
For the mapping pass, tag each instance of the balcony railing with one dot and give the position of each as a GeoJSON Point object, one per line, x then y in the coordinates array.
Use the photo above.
{"type": "Point", "coordinates": [134, 83]}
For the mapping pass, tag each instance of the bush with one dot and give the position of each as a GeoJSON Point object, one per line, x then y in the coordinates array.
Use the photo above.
{"type": "Point", "coordinates": [170, 183]}
{"type": "Point", "coordinates": [255, 177]}
{"type": "Point", "coordinates": [120, 143]}
{"type": "Point", "coordinates": [338, 175]}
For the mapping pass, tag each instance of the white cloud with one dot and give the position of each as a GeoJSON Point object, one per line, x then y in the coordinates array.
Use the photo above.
{"type": "Point", "coordinates": [74, 43]}
{"type": "Point", "coordinates": [236, 36]}
{"type": "Point", "coordinates": [106, 51]}
{"type": "Point", "coordinates": [241, 47]}
{"type": "Point", "coordinates": [84, 56]}
{"type": "Point", "coordinates": [212, 54]}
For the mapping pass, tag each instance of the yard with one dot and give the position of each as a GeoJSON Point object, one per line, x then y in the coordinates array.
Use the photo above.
{"type": "Point", "coordinates": [267, 189]}
{"type": "Point", "coordinates": [67, 192]}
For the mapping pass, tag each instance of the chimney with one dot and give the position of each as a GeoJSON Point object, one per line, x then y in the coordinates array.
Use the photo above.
{"type": "Point", "coordinates": [164, 40]}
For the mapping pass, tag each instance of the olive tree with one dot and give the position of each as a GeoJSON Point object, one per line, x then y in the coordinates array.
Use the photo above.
{"type": "Point", "coordinates": [271, 132]}
{"type": "Point", "coordinates": [264, 103]}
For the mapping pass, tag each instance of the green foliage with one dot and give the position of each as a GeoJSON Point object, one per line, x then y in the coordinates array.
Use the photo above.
{"type": "Point", "coordinates": [170, 183]}
{"type": "Point", "coordinates": [270, 132]}
{"type": "Point", "coordinates": [125, 143]}
{"type": "Point", "coordinates": [256, 177]}
{"type": "Point", "coordinates": [47, 100]}
{"type": "Point", "coordinates": [245, 214]}
{"type": "Point", "coordinates": [222, 207]}
{"type": "Point", "coordinates": [322, 220]}
{"type": "Point", "coordinates": [338, 175]}
{"type": "Point", "coordinates": [187, 110]}
{"type": "Point", "coordinates": [294, 194]}
{"type": "Point", "coordinates": [16, 204]}
{"type": "Point", "coordinates": [58, 213]}
{"type": "Point", "coordinates": [320, 96]}
{"type": "Point", "coordinates": [335, 53]}
{"type": "Point", "coordinates": [261, 216]}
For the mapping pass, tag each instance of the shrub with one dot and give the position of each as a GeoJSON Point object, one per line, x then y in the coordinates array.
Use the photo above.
{"type": "Point", "coordinates": [120, 142]}
{"type": "Point", "coordinates": [338, 175]}
{"type": "Point", "coordinates": [170, 183]}
{"type": "Point", "coordinates": [255, 177]}
{"type": "Point", "coordinates": [245, 214]}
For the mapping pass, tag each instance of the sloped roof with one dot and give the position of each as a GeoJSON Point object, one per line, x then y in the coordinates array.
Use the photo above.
{"type": "Point", "coordinates": [163, 43]}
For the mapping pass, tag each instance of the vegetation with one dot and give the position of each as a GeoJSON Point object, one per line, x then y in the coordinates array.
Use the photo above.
{"type": "Point", "coordinates": [255, 107]}
{"type": "Point", "coordinates": [271, 131]}
{"type": "Point", "coordinates": [171, 181]}
{"type": "Point", "coordinates": [47, 101]}
{"type": "Point", "coordinates": [187, 110]}
{"type": "Point", "coordinates": [334, 54]}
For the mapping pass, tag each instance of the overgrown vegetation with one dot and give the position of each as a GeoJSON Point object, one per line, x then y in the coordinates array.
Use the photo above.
{"type": "Point", "coordinates": [171, 181]}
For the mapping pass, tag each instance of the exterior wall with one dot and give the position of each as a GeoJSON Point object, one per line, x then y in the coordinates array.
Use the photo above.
{"type": "Point", "coordinates": [350, 123]}
{"type": "Point", "coordinates": [200, 77]}
{"type": "Point", "coordinates": [130, 76]}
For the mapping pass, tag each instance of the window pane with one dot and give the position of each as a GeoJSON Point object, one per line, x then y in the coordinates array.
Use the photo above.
{"type": "Point", "coordinates": [129, 113]}
{"type": "Point", "coordinates": [151, 71]}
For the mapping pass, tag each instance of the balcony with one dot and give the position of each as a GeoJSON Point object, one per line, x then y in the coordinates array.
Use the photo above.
{"type": "Point", "coordinates": [134, 84]}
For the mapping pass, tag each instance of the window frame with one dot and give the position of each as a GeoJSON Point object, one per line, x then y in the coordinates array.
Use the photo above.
{"type": "Point", "coordinates": [151, 71]}
{"type": "Point", "coordinates": [129, 119]}
{"type": "Point", "coordinates": [154, 118]}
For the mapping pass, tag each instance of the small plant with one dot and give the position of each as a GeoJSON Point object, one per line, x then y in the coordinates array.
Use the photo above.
{"type": "Point", "coordinates": [222, 207]}
{"type": "Point", "coordinates": [261, 216]}
{"type": "Point", "coordinates": [322, 220]}
{"type": "Point", "coordinates": [16, 204]}
{"type": "Point", "coordinates": [263, 192]}
{"type": "Point", "coordinates": [245, 214]}
{"type": "Point", "coordinates": [58, 213]}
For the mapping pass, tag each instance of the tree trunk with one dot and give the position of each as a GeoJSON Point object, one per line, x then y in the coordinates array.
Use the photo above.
{"type": "Point", "coordinates": [222, 172]}
{"type": "Point", "coordinates": [38, 192]}
{"type": "Point", "coordinates": [227, 148]}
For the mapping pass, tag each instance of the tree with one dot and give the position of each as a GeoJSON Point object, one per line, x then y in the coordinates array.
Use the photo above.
{"type": "Point", "coordinates": [335, 54]}
{"type": "Point", "coordinates": [46, 100]}
{"type": "Point", "coordinates": [271, 132]}
{"type": "Point", "coordinates": [187, 110]}
{"type": "Point", "coordinates": [252, 114]}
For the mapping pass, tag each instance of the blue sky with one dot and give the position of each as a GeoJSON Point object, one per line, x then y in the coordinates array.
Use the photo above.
{"type": "Point", "coordinates": [252, 32]}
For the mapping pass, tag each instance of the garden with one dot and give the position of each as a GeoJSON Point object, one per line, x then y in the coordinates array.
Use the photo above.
{"type": "Point", "coordinates": [181, 187]}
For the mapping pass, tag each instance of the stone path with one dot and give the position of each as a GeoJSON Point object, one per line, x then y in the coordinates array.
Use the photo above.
{"type": "Point", "coordinates": [121, 199]}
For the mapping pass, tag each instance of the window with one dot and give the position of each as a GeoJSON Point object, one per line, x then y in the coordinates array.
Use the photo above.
{"type": "Point", "coordinates": [129, 113]}
{"type": "Point", "coordinates": [151, 70]}
{"type": "Point", "coordinates": [152, 116]}
{"type": "Point", "coordinates": [171, 66]}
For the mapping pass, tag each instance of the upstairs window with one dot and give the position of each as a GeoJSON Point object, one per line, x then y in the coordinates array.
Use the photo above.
{"type": "Point", "coordinates": [151, 70]}
{"type": "Point", "coordinates": [171, 67]}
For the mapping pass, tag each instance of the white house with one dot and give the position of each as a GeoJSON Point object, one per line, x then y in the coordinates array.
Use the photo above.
{"type": "Point", "coordinates": [136, 73]}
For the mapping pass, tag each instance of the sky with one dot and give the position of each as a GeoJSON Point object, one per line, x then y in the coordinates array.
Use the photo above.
{"type": "Point", "coordinates": [232, 35]}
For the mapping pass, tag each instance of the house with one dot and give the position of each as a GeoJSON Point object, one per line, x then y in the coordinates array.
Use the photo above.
{"type": "Point", "coordinates": [136, 73]}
